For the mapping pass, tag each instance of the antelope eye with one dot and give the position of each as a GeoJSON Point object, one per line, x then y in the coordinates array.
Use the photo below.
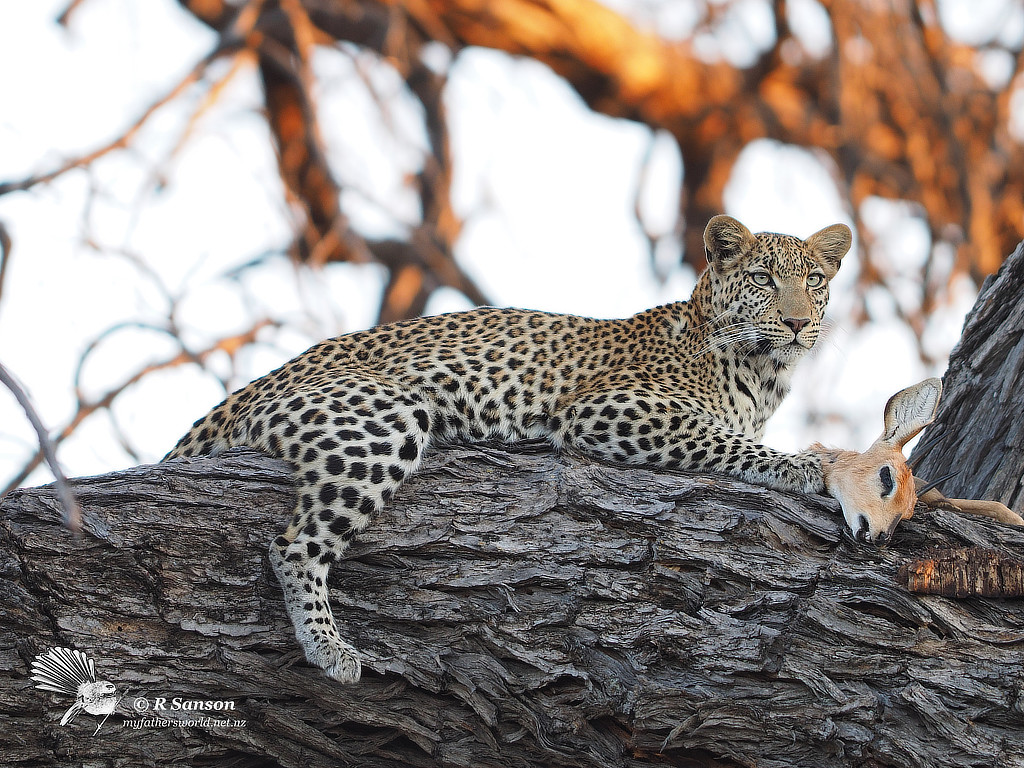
{"type": "Point", "coordinates": [815, 280]}
{"type": "Point", "coordinates": [762, 279]}
{"type": "Point", "coordinates": [885, 475]}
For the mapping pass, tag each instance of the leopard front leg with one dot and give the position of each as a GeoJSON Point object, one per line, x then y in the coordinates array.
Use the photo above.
{"type": "Point", "coordinates": [304, 583]}
{"type": "Point", "coordinates": [350, 450]}
{"type": "Point", "coordinates": [644, 429]}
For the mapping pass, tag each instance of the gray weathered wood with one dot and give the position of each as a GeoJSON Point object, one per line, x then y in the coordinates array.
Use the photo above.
{"type": "Point", "coordinates": [979, 429]}
{"type": "Point", "coordinates": [514, 609]}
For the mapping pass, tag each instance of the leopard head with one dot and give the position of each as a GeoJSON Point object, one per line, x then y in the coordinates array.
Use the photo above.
{"type": "Point", "coordinates": [768, 291]}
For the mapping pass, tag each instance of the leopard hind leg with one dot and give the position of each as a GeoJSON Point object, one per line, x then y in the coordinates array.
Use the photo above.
{"type": "Point", "coordinates": [350, 450]}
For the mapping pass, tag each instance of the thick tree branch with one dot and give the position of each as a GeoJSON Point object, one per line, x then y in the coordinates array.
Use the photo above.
{"type": "Point", "coordinates": [978, 432]}
{"type": "Point", "coordinates": [512, 609]}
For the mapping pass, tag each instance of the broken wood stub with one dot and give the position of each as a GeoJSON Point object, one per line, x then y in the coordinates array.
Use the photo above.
{"type": "Point", "coordinates": [965, 572]}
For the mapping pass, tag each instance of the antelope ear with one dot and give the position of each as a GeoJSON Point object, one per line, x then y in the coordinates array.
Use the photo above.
{"type": "Point", "coordinates": [831, 244]}
{"type": "Point", "coordinates": [910, 410]}
{"type": "Point", "coordinates": [726, 241]}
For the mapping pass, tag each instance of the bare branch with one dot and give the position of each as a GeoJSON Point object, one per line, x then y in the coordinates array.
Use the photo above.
{"type": "Point", "coordinates": [5, 255]}
{"type": "Point", "coordinates": [229, 344]}
{"type": "Point", "coordinates": [65, 15]}
{"type": "Point", "coordinates": [72, 512]}
{"type": "Point", "coordinates": [125, 138]}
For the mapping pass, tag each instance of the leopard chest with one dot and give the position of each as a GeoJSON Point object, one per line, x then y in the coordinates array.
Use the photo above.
{"type": "Point", "coordinates": [749, 390]}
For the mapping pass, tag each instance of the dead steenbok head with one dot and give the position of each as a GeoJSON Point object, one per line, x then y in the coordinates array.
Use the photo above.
{"type": "Point", "coordinates": [877, 488]}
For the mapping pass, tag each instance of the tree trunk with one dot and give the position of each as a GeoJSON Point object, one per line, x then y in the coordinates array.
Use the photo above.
{"type": "Point", "coordinates": [513, 609]}
{"type": "Point", "coordinates": [979, 432]}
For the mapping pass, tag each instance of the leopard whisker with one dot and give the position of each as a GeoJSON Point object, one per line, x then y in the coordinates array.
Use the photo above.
{"type": "Point", "coordinates": [730, 335]}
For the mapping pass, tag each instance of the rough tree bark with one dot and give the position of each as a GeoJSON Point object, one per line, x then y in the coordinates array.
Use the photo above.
{"type": "Point", "coordinates": [514, 609]}
{"type": "Point", "coordinates": [978, 432]}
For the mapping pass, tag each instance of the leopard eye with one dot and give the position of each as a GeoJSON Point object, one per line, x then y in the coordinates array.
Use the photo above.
{"type": "Point", "coordinates": [815, 280]}
{"type": "Point", "coordinates": [762, 279]}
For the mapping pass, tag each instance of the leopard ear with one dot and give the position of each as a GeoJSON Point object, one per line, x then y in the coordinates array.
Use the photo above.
{"type": "Point", "coordinates": [830, 245]}
{"type": "Point", "coordinates": [726, 241]}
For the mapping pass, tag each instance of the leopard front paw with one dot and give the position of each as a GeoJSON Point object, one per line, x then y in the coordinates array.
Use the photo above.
{"type": "Point", "coordinates": [345, 668]}
{"type": "Point", "coordinates": [338, 659]}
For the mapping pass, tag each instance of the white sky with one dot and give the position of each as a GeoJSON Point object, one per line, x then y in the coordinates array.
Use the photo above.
{"type": "Point", "coordinates": [547, 189]}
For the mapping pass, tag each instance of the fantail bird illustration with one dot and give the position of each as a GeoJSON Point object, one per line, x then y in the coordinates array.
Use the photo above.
{"type": "Point", "coordinates": [65, 670]}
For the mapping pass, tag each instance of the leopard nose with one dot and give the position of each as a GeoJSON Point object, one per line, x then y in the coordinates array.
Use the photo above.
{"type": "Point", "coordinates": [796, 324]}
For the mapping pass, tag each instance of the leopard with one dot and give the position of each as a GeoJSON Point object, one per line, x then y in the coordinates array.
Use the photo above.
{"type": "Point", "coordinates": [685, 386]}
